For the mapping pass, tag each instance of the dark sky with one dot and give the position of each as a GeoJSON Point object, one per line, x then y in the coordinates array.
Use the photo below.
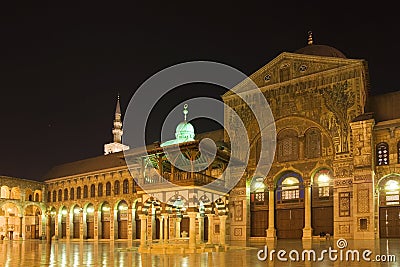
{"type": "Point", "coordinates": [62, 66]}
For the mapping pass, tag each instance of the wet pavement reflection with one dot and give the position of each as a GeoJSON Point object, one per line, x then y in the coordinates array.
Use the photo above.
{"type": "Point", "coordinates": [32, 253]}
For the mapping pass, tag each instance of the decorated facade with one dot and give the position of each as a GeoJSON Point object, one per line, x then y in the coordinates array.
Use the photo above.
{"type": "Point", "coordinates": [336, 170]}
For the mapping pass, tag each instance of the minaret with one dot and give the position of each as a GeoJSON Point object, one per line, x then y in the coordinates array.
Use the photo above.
{"type": "Point", "coordinates": [116, 145]}
{"type": "Point", "coordinates": [117, 130]}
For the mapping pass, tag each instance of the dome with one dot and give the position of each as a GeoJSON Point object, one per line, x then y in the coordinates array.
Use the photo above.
{"type": "Point", "coordinates": [320, 50]}
{"type": "Point", "coordinates": [184, 131]}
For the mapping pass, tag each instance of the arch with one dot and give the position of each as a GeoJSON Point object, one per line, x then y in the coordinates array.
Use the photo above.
{"type": "Point", "coordinates": [28, 194]}
{"type": "Point", "coordinates": [62, 222]}
{"type": "Point", "coordinates": [38, 195]}
{"type": "Point", "coordinates": [78, 192]}
{"type": "Point", "coordinates": [105, 220]}
{"type": "Point", "coordinates": [125, 186]}
{"type": "Point", "coordinates": [88, 219]}
{"type": "Point", "coordinates": [287, 145]}
{"type": "Point", "coordinates": [75, 220]}
{"type": "Point", "coordinates": [10, 212]}
{"type": "Point", "coordinates": [121, 220]}
{"type": "Point", "coordinates": [85, 191]}
{"type": "Point", "coordinates": [72, 194]}
{"type": "Point", "coordinates": [100, 190]}
{"type": "Point", "coordinates": [382, 154]}
{"type": "Point", "coordinates": [15, 193]}
{"type": "Point", "coordinates": [66, 194]}
{"type": "Point", "coordinates": [116, 188]}
{"type": "Point", "coordinates": [5, 192]}
{"type": "Point", "coordinates": [32, 217]}
{"type": "Point", "coordinates": [92, 190]}
{"type": "Point", "coordinates": [59, 195]}
{"type": "Point", "coordinates": [313, 144]}
{"type": "Point", "coordinates": [389, 205]}
{"type": "Point", "coordinates": [108, 189]}
{"type": "Point", "coordinates": [289, 205]}
{"type": "Point", "coordinates": [54, 196]}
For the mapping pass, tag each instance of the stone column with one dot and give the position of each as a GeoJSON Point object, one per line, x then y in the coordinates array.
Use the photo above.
{"type": "Point", "coordinates": [307, 230]}
{"type": "Point", "coordinates": [143, 228]}
{"type": "Point", "coordinates": [165, 218]}
{"type": "Point", "coordinates": [48, 227]}
{"type": "Point", "coordinates": [210, 228]}
{"type": "Point", "coordinates": [81, 224]}
{"type": "Point", "coordinates": [96, 225]}
{"type": "Point", "coordinates": [178, 227]}
{"type": "Point", "coordinates": [192, 229]}
{"type": "Point", "coordinates": [161, 218]}
{"type": "Point", "coordinates": [271, 231]}
{"type": "Point", "coordinates": [130, 232]}
{"type": "Point", "coordinates": [222, 230]}
{"type": "Point", "coordinates": [20, 227]}
{"type": "Point", "coordinates": [201, 228]}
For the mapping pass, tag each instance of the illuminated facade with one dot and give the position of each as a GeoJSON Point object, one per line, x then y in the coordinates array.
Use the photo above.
{"type": "Point", "coordinates": [336, 170]}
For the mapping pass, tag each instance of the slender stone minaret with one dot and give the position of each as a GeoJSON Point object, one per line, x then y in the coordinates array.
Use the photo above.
{"type": "Point", "coordinates": [116, 145]}
{"type": "Point", "coordinates": [117, 130]}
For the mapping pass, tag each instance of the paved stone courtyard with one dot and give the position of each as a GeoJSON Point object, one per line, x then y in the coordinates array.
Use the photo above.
{"type": "Point", "coordinates": [32, 253]}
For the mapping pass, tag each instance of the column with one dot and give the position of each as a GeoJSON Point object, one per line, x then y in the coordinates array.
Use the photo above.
{"type": "Point", "coordinates": [81, 224]}
{"type": "Point", "coordinates": [143, 227]}
{"type": "Point", "coordinates": [192, 229]}
{"type": "Point", "coordinates": [307, 230]}
{"type": "Point", "coordinates": [20, 227]}
{"type": "Point", "coordinates": [271, 232]}
{"type": "Point", "coordinates": [96, 225]}
{"type": "Point", "coordinates": [222, 230]}
{"type": "Point", "coordinates": [210, 228]}
{"type": "Point", "coordinates": [165, 218]}
{"type": "Point", "coordinates": [161, 218]}
{"type": "Point", "coordinates": [130, 232]}
{"type": "Point", "coordinates": [201, 228]}
{"type": "Point", "coordinates": [178, 227]}
{"type": "Point", "coordinates": [112, 226]}
{"type": "Point", "coordinates": [48, 227]}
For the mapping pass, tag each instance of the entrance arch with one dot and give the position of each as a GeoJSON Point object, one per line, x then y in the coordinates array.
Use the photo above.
{"type": "Point", "coordinates": [289, 203]}
{"type": "Point", "coordinates": [89, 221]}
{"type": "Point", "coordinates": [105, 218]}
{"type": "Point", "coordinates": [322, 202]}
{"type": "Point", "coordinates": [122, 219]}
{"type": "Point", "coordinates": [62, 232]}
{"type": "Point", "coordinates": [389, 206]}
{"type": "Point", "coordinates": [32, 218]}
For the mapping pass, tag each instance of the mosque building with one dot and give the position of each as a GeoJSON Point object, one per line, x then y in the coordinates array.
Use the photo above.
{"type": "Point", "coordinates": [336, 170]}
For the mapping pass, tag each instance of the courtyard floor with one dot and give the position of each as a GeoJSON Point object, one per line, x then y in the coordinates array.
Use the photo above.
{"type": "Point", "coordinates": [32, 253]}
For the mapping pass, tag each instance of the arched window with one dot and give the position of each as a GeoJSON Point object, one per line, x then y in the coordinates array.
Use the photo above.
{"type": "Point", "coordinates": [288, 148]}
{"type": "Point", "coordinates": [108, 189]}
{"type": "Point", "coordinates": [313, 143]}
{"type": "Point", "coordinates": [30, 197]}
{"type": "Point", "coordinates": [85, 191]}
{"type": "Point", "coordinates": [48, 196]}
{"type": "Point", "coordinates": [398, 152]}
{"type": "Point", "coordinates": [54, 196]}
{"type": "Point", "coordinates": [71, 194]}
{"type": "Point", "coordinates": [290, 188]}
{"type": "Point", "coordinates": [116, 188]}
{"type": "Point", "coordinates": [125, 187]}
{"type": "Point", "coordinates": [92, 190]}
{"type": "Point", "coordinates": [133, 186]}
{"type": "Point", "coordinates": [59, 195]}
{"type": "Point", "coordinates": [78, 193]}
{"type": "Point", "coordinates": [382, 154]}
{"type": "Point", "coordinates": [323, 182]}
{"type": "Point", "coordinates": [37, 197]}
{"type": "Point", "coordinates": [100, 190]}
{"type": "Point", "coordinates": [65, 194]}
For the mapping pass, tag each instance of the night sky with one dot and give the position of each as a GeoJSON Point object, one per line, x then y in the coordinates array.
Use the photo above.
{"type": "Point", "coordinates": [63, 66]}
